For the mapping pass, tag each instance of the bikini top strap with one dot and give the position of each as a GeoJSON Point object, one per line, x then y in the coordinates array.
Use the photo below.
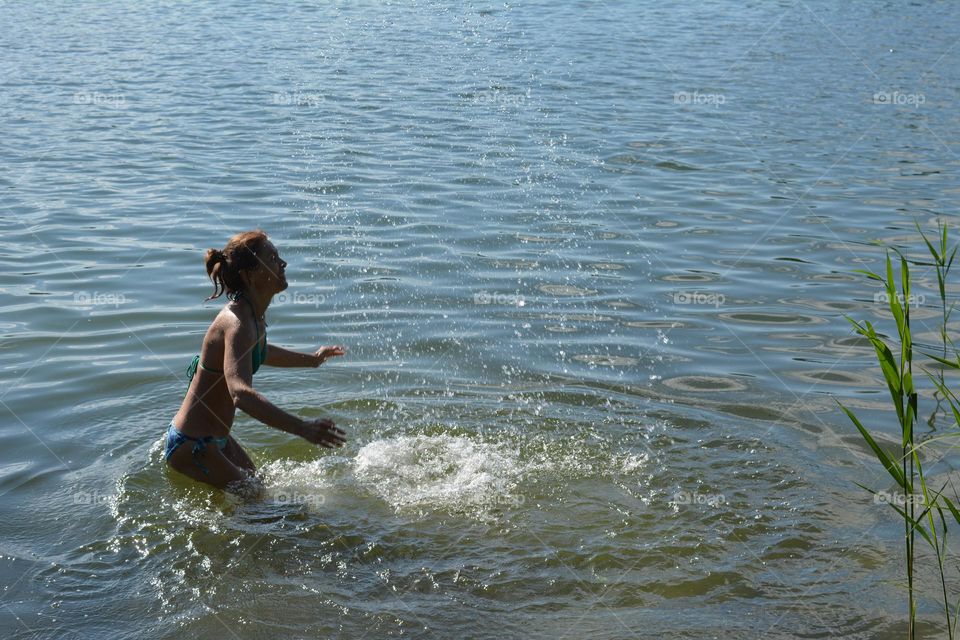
{"type": "Point", "coordinates": [192, 369]}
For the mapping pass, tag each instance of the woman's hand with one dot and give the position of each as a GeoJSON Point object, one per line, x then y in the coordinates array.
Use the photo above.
{"type": "Point", "coordinates": [328, 352]}
{"type": "Point", "coordinates": [323, 432]}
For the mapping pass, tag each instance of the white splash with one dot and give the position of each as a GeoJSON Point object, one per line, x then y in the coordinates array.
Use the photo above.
{"type": "Point", "coordinates": [453, 471]}
{"type": "Point", "coordinates": [312, 485]}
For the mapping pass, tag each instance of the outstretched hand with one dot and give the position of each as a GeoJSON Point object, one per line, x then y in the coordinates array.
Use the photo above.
{"type": "Point", "coordinates": [323, 432]}
{"type": "Point", "coordinates": [328, 352]}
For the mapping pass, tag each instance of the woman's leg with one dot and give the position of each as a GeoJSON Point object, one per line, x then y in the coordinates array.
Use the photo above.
{"type": "Point", "coordinates": [238, 456]}
{"type": "Point", "coordinates": [220, 470]}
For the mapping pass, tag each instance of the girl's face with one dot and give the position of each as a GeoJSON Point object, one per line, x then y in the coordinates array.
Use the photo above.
{"type": "Point", "coordinates": [269, 276]}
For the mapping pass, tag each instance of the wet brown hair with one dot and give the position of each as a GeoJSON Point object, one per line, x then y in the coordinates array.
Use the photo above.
{"type": "Point", "coordinates": [240, 254]}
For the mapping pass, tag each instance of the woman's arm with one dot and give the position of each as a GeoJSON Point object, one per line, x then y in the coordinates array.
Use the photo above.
{"type": "Point", "coordinates": [280, 357]}
{"type": "Point", "coordinates": [238, 373]}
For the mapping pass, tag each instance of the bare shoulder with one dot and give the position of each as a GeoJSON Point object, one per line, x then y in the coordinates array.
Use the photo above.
{"type": "Point", "coordinates": [230, 322]}
{"type": "Point", "coordinates": [224, 325]}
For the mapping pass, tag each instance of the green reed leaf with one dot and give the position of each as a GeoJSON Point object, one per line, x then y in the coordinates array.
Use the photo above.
{"type": "Point", "coordinates": [885, 459]}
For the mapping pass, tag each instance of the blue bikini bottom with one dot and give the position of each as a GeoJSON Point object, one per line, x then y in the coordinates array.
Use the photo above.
{"type": "Point", "coordinates": [175, 439]}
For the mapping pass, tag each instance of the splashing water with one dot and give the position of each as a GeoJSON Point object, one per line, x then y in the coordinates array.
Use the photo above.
{"type": "Point", "coordinates": [453, 471]}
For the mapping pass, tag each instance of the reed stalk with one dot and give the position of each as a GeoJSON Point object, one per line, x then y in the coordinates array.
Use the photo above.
{"type": "Point", "coordinates": [925, 511]}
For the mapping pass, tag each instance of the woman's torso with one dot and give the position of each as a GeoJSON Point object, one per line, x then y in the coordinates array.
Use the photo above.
{"type": "Point", "coordinates": [207, 408]}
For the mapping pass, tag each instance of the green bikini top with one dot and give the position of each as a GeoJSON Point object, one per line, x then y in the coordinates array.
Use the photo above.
{"type": "Point", "coordinates": [258, 355]}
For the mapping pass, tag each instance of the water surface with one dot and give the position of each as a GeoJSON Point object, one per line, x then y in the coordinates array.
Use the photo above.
{"type": "Point", "coordinates": [591, 262]}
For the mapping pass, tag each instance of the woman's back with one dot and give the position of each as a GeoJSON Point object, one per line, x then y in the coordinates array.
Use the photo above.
{"type": "Point", "coordinates": [207, 408]}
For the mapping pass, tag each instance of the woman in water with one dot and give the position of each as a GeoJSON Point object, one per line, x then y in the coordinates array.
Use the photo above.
{"type": "Point", "coordinates": [198, 443]}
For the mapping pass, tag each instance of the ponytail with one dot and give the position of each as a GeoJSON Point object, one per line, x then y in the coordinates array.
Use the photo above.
{"type": "Point", "coordinates": [224, 266]}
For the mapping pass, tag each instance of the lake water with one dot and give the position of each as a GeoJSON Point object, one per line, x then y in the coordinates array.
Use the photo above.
{"type": "Point", "coordinates": [590, 260]}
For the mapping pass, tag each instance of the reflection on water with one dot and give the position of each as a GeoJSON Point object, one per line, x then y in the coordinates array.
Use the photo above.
{"type": "Point", "coordinates": [705, 383]}
{"type": "Point", "coordinates": [592, 262]}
